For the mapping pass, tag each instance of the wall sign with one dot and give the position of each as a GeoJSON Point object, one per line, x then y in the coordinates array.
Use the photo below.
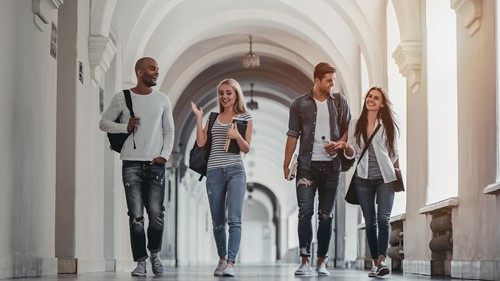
{"type": "Point", "coordinates": [80, 71]}
{"type": "Point", "coordinates": [101, 100]}
{"type": "Point", "coordinates": [53, 41]}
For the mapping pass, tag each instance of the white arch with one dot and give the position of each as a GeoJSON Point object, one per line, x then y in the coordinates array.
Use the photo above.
{"type": "Point", "coordinates": [101, 15]}
{"type": "Point", "coordinates": [407, 13]}
{"type": "Point", "coordinates": [238, 21]}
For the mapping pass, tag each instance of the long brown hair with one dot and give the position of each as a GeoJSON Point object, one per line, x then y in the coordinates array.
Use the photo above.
{"type": "Point", "coordinates": [385, 113]}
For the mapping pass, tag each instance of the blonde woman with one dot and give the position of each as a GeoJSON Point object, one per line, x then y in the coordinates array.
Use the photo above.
{"type": "Point", "coordinates": [226, 178]}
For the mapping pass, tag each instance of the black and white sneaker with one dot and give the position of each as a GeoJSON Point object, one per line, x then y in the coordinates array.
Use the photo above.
{"type": "Point", "coordinates": [373, 272]}
{"type": "Point", "coordinates": [382, 269]}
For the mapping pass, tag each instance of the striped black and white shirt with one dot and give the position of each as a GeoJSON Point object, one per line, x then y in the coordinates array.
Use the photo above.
{"type": "Point", "coordinates": [218, 157]}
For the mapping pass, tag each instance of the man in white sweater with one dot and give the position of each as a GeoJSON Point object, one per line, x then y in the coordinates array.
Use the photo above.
{"type": "Point", "coordinates": [144, 155]}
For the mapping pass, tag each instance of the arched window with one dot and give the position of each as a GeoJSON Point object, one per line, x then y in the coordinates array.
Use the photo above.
{"type": "Point", "coordinates": [441, 61]}
{"type": "Point", "coordinates": [396, 90]}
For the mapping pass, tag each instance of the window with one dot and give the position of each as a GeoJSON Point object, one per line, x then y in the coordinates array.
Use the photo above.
{"type": "Point", "coordinates": [441, 101]}
{"type": "Point", "coordinates": [396, 90]}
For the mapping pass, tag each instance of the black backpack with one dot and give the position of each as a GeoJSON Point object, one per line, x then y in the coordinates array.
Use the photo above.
{"type": "Point", "coordinates": [198, 156]}
{"type": "Point", "coordinates": [116, 141]}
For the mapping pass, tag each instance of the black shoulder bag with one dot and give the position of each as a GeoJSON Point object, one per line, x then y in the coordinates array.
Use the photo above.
{"type": "Point", "coordinates": [198, 156]}
{"type": "Point", "coordinates": [116, 141]}
{"type": "Point", "coordinates": [345, 163]}
{"type": "Point", "coordinates": [351, 195]}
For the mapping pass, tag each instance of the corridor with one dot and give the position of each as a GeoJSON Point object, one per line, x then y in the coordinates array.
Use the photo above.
{"type": "Point", "coordinates": [244, 273]}
{"type": "Point", "coordinates": [63, 208]}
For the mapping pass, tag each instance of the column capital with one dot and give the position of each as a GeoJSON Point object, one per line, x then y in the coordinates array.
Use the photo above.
{"type": "Point", "coordinates": [101, 52]}
{"type": "Point", "coordinates": [408, 56]}
{"type": "Point", "coordinates": [42, 9]}
{"type": "Point", "coordinates": [470, 10]}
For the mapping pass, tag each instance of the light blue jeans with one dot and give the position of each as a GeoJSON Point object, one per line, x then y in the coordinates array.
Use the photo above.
{"type": "Point", "coordinates": [376, 220]}
{"type": "Point", "coordinates": [226, 188]}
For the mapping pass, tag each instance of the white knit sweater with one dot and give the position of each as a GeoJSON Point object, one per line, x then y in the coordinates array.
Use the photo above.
{"type": "Point", "coordinates": [155, 134]}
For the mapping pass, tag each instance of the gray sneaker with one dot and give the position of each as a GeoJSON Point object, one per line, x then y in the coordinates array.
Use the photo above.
{"type": "Point", "coordinates": [304, 270]}
{"type": "Point", "coordinates": [322, 271]}
{"type": "Point", "coordinates": [219, 270]}
{"type": "Point", "coordinates": [156, 266]}
{"type": "Point", "coordinates": [140, 269]}
{"type": "Point", "coordinates": [229, 271]}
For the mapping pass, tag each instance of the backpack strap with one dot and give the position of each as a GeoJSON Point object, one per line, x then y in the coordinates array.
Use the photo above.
{"type": "Point", "coordinates": [208, 145]}
{"type": "Point", "coordinates": [337, 99]}
{"type": "Point", "coordinates": [128, 102]}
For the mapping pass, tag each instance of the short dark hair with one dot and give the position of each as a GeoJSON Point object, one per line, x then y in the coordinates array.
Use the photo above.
{"type": "Point", "coordinates": [322, 69]}
{"type": "Point", "coordinates": [140, 62]}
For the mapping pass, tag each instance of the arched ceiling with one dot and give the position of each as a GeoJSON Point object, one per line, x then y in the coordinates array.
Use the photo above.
{"type": "Point", "coordinates": [198, 43]}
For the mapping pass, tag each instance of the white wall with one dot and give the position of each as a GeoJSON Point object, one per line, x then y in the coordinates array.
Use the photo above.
{"type": "Point", "coordinates": [196, 244]}
{"type": "Point", "coordinates": [27, 144]}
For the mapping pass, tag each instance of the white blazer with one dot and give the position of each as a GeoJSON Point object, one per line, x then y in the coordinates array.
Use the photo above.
{"type": "Point", "coordinates": [379, 141]}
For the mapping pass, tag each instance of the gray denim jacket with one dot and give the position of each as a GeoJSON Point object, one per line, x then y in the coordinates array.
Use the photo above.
{"type": "Point", "coordinates": [302, 124]}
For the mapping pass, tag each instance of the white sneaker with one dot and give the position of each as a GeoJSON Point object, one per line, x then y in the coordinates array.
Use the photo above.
{"type": "Point", "coordinates": [304, 270]}
{"type": "Point", "coordinates": [373, 272]}
{"type": "Point", "coordinates": [219, 270]}
{"type": "Point", "coordinates": [382, 269]}
{"type": "Point", "coordinates": [322, 271]}
{"type": "Point", "coordinates": [229, 271]}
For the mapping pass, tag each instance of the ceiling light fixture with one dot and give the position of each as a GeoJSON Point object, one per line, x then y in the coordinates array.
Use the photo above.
{"type": "Point", "coordinates": [252, 104]}
{"type": "Point", "coordinates": [250, 59]}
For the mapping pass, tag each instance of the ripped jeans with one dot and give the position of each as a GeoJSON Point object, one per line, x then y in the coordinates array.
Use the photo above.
{"type": "Point", "coordinates": [144, 188]}
{"type": "Point", "coordinates": [320, 177]}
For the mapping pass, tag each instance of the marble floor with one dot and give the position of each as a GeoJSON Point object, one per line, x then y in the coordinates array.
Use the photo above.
{"type": "Point", "coordinates": [243, 273]}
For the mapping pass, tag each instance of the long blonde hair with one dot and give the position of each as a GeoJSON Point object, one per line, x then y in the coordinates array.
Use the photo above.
{"type": "Point", "coordinates": [239, 105]}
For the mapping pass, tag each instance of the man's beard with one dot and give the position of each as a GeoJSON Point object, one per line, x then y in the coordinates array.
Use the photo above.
{"type": "Point", "coordinates": [150, 83]}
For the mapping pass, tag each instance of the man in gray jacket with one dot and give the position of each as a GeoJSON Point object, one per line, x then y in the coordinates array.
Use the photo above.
{"type": "Point", "coordinates": [313, 120]}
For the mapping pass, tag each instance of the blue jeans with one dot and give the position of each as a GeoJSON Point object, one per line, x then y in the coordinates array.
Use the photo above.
{"type": "Point", "coordinates": [320, 177]}
{"type": "Point", "coordinates": [144, 188]}
{"type": "Point", "coordinates": [226, 187]}
{"type": "Point", "coordinates": [376, 221]}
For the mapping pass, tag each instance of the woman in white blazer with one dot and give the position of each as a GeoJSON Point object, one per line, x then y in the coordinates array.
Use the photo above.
{"type": "Point", "coordinates": [375, 176]}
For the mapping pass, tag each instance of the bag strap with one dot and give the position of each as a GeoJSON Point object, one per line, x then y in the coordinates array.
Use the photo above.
{"type": "Point", "coordinates": [208, 145]}
{"type": "Point", "coordinates": [128, 102]}
{"type": "Point", "coordinates": [368, 144]}
{"type": "Point", "coordinates": [337, 98]}
{"type": "Point", "coordinates": [212, 118]}
{"type": "Point", "coordinates": [211, 121]}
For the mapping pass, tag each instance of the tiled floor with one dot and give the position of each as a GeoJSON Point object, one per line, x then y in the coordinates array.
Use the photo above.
{"type": "Point", "coordinates": [243, 273]}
